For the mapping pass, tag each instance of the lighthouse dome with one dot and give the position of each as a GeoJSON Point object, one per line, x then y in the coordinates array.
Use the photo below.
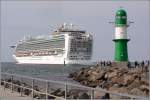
{"type": "Point", "coordinates": [121, 18]}
{"type": "Point", "coordinates": [121, 12]}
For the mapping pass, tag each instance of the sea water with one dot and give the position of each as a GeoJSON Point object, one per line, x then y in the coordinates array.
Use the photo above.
{"type": "Point", "coordinates": [42, 71]}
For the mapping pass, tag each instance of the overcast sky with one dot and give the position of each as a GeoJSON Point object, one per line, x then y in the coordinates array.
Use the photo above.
{"type": "Point", "coordinates": [20, 18]}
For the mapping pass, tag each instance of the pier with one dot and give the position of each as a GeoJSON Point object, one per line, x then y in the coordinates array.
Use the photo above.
{"type": "Point", "coordinates": [23, 87]}
{"type": "Point", "coordinates": [8, 95]}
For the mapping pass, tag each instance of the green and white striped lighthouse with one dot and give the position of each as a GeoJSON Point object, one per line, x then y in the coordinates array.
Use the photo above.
{"type": "Point", "coordinates": [120, 36]}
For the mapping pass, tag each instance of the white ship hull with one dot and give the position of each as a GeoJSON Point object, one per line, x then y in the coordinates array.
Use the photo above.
{"type": "Point", "coordinates": [48, 60]}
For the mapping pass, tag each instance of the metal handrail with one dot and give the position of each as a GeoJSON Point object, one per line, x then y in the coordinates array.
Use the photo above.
{"type": "Point", "coordinates": [69, 84]}
{"type": "Point", "coordinates": [31, 89]}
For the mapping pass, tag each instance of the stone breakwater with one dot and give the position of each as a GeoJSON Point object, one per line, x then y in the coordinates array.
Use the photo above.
{"type": "Point", "coordinates": [114, 78]}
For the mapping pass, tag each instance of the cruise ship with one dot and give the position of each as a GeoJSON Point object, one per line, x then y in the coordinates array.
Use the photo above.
{"type": "Point", "coordinates": [66, 45]}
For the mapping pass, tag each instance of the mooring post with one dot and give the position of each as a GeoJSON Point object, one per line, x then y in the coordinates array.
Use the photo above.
{"type": "Point", "coordinates": [92, 94]}
{"type": "Point", "coordinates": [4, 81]}
{"type": "Point", "coordinates": [65, 91]}
{"type": "Point", "coordinates": [46, 92]}
{"type": "Point", "coordinates": [32, 88]}
{"type": "Point", "coordinates": [12, 83]}
{"type": "Point", "coordinates": [21, 89]}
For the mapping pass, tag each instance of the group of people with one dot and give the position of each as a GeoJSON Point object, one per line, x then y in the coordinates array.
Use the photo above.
{"type": "Point", "coordinates": [144, 65]}
{"type": "Point", "coordinates": [104, 63]}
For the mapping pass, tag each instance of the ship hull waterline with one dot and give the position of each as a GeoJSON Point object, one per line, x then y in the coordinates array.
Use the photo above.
{"type": "Point", "coordinates": [48, 60]}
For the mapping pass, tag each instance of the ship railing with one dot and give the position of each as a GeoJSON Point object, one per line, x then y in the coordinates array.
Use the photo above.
{"type": "Point", "coordinates": [50, 89]}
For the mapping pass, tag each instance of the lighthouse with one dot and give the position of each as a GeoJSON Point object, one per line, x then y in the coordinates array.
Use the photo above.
{"type": "Point", "coordinates": [120, 36]}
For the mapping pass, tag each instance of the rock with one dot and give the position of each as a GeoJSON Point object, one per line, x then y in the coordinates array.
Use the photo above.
{"type": "Point", "coordinates": [80, 72]}
{"type": "Point", "coordinates": [96, 76]}
{"type": "Point", "coordinates": [144, 89]}
{"type": "Point", "coordinates": [116, 86]}
{"type": "Point", "coordinates": [36, 96]}
{"type": "Point", "coordinates": [136, 91]}
{"type": "Point", "coordinates": [106, 96]}
{"type": "Point", "coordinates": [51, 97]}
{"type": "Point", "coordinates": [93, 84]}
{"type": "Point", "coordinates": [18, 89]}
{"type": "Point", "coordinates": [117, 79]}
{"type": "Point", "coordinates": [91, 68]}
{"type": "Point", "coordinates": [112, 74]}
{"type": "Point", "coordinates": [9, 80]}
{"type": "Point", "coordinates": [137, 71]}
{"type": "Point", "coordinates": [17, 82]}
{"type": "Point", "coordinates": [134, 84]}
{"type": "Point", "coordinates": [71, 75]}
{"type": "Point", "coordinates": [73, 94]}
{"type": "Point", "coordinates": [128, 79]}
{"type": "Point", "coordinates": [2, 83]}
{"type": "Point", "coordinates": [98, 94]}
{"type": "Point", "coordinates": [114, 80]}
{"type": "Point", "coordinates": [118, 90]}
{"type": "Point", "coordinates": [84, 96]}
{"type": "Point", "coordinates": [144, 82]}
{"type": "Point", "coordinates": [61, 93]}
{"type": "Point", "coordinates": [98, 70]}
{"type": "Point", "coordinates": [6, 85]}
{"type": "Point", "coordinates": [41, 96]}
{"type": "Point", "coordinates": [36, 88]}
{"type": "Point", "coordinates": [27, 92]}
{"type": "Point", "coordinates": [56, 92]}
{"type": "Point", "coordinates": [120, 79]}
{"type": "Point", "coordinates": [89, 72]}
{"type": "Point", "coordinates": [85, 83]}
{"type": "Point", "coordinates": [92, 78]}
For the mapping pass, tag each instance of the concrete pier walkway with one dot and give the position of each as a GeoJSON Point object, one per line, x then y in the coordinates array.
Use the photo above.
{"type": "Point", "coordinates": [8, 95]}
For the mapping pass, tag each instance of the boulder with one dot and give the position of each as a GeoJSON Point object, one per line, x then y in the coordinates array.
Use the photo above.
{"type": "Point", "coordinates": [144, 89]}
{"type": "Point", "coordinates": [73, 94]}
{"type": "Point", "coordinates": [94, 84]}
{"type": "Point", "coordinates": [144, 82]}
{"type": "Point", "coordinates": [89, 72]}
{"type": "Point", "coordinates": [136, 91]}
{"type": "Point", "coordinates": [17, 82]}
{"type": "Point", "coordinates": [61, 93]}
{"type": "Point", "coordinates": [92, 78]}
{"type": "Point", "coordinates": [98, 70]}
{"type": "Point", "coordinates": [95, 76]}
{"type": "Point", "coordinates": [106, 96]}
{"type": "Point", "coordinates": [117, 79]}
{"type": "Point", "coordinates": [112, 74]}
{"type": "Point", "coordinates": [120, 80]}
{"type": "Point", "coordinates": [56, 92]}
{"type": "Point", "coordinates": [27, 92]}
{"type": "Point", "coordinates": [2, 83]}
{"type": "Point", "coordinates": [84, 96]}
{"type": "Point", "coordinates": [51, 97]}
{"type": "Point", "coordinates": [118, 90]}
{"type": "Point", "coordinates": [134, 84]}
{"type": "Point", "coordinates": [114, 80]}
{"type": "Point", "coordinates": [98, 94]}
{"type": "Point", "coordinates": [71, 75]}
{"type": "Point", "coordinates": [128, 79]}
{"type": "Point", "coordinates": [84, 83]}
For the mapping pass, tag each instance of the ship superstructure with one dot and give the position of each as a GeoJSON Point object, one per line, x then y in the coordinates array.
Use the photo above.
{"type": "Point", "coordinates": [67, 44]}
